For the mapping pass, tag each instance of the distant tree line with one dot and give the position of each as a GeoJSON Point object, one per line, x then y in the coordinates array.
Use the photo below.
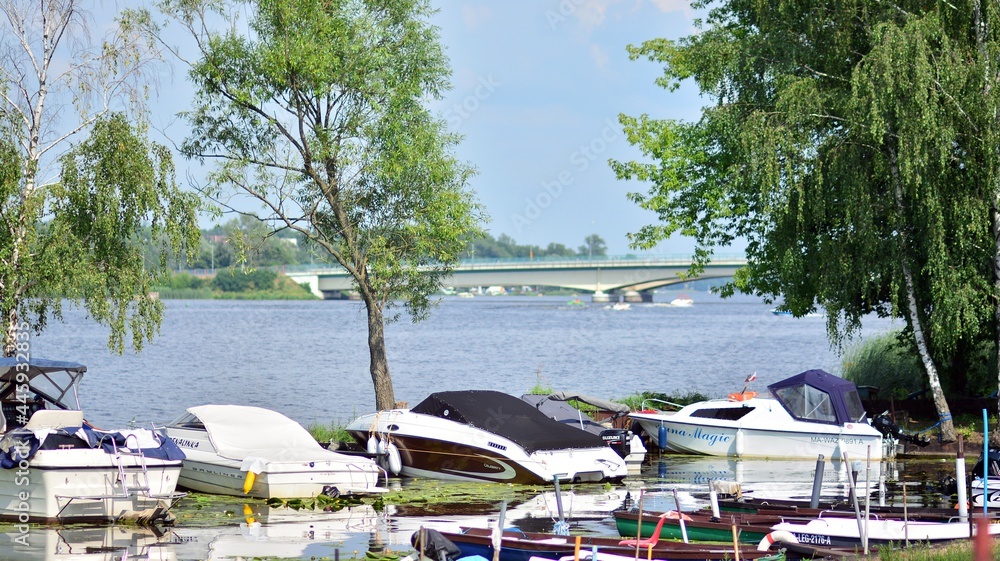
{"type": "Point", "coordinates": [504, 247]}
{"type": "Point", "coordinates": [270, 248]}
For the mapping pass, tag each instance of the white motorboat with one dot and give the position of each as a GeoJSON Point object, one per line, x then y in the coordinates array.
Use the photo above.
{"type": "Point", "coordinates": [682, 301]}
{"type": "Point", "coordinates": [482, 435]}
{"type": "Point", "coordinates": [54, 466]}
{"type": "Point", "coordinates": [625, 442]}
{"type": "Point", "coordinates": [251, 451]}
{"type": "Point", "coordinates": [806, 415]}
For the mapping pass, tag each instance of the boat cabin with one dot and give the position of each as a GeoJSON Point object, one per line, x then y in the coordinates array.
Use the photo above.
{"type": "Point", "coordinates": [820, 397]}
{"type": "Point", "coordinates": [37, 384]}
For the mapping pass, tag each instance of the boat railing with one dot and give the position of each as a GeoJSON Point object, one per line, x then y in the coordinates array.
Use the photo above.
{"type": "Point", "coordinates": [672, 404]}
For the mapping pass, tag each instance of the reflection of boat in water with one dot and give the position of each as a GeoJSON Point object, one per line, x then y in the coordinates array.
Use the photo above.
{"type": "Point", "coordinates": [86, 543]}
{"type": "Point", "coordinates": [762, 478]}
{"type": "Point", "coordinates": [806, 415]}
{"type": "Point", "coordinates": [281, 533]}
{"type": "Point", "coordinates": [251, 451]}
{"type": "Point", "coordinates": [483, 435]}
{"type": "Point", "coordinates": [56, 466]}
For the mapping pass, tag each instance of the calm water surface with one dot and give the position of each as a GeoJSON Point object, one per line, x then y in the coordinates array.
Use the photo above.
{"type": "Point", "coordinates": [309, 360]}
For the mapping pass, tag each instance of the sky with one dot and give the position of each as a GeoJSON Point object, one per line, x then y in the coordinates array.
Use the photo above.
{"type": "Point", "coordinates": [537, 89]}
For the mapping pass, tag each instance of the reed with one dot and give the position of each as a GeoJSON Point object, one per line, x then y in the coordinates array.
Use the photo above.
{"type": "Point", "coordinates": [884, 362]}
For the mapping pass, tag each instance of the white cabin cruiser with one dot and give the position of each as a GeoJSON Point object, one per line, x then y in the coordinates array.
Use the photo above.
{"type": "Point", "coordinates": [483, 435]}
{"type": "Point", "coordinates": [250, 451]}
{"type": "Point", "coordinates": [806, 415]}
{"type": "Point", "coordinates": [54, 466]}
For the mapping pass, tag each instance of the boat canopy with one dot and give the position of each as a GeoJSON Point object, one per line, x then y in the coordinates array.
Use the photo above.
{"type": "Point", "coordinates": [54, 381]}
{"type": "Point", "coordinates": [238, 431]}
{"type": "Point", "coordinates": [820, 397]}
{"type": "Point", "coordinates": [506, 416]}
{"type": "Point", "coordinates": [554, 406]}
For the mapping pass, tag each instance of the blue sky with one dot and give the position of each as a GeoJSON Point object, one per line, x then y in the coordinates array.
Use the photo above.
{"type": "Point", "coordinates": [537, 89]}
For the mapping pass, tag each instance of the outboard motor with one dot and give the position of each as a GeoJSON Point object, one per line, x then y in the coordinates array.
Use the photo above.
{"type": "Point", "coordinates": [618, 440]}
{"type": "Point", "coordinates": [436, 546]}
{"type": "Point", "coordinates": [884, 425]}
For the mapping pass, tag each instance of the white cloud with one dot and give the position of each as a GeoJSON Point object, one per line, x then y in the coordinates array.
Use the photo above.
{"type": "Point", "coordinates": [599, 55]}
{"type": "Point", "coordinates": [473, 16]}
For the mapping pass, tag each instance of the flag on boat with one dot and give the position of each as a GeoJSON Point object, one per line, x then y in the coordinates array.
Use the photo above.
{"type": "Point", "coordinates": [750, 378]}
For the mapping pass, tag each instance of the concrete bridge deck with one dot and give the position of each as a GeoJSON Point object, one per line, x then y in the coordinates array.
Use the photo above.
{"type": "Point", "coordinates": [599, 275]}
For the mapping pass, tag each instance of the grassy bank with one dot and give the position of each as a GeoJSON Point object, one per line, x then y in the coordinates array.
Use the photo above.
{"type": "Point", "coordinates": [234, 284]}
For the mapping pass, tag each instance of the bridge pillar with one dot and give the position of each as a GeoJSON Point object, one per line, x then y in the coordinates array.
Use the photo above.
{"type": "Point", "coordinates": [600, 297]}
{"type": "Point", "coordinates": [633, 296]}
{"type": "Point", "coordinates": [313, 282]}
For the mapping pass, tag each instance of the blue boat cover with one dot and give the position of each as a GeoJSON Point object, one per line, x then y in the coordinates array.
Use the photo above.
{"type": "Point", "coordinates": [25, 442]}
{"type": "Point", "coordinates": [41, 365]}
{"type": "Point", "coordinates": [820, 397]}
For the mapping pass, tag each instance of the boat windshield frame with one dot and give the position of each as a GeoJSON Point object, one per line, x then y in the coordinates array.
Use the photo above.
{"type": "Point", "coordinates": [56, 383]}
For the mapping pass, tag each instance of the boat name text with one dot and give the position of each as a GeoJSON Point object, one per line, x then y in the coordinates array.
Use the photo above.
{"type": "Point", "coordinates": [185, 443]}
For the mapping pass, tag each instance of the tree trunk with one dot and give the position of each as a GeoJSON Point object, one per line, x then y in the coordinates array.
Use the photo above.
{"type": "Point", "coordinates": [385, 397]}
{"type": "Point", "coordinates": [994, 436]}
{"type": "Point", "coordinates": [913, 310]}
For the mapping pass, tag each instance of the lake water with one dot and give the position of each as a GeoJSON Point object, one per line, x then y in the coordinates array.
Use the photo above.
{"type": "Point", "coordinates": [309, 360]}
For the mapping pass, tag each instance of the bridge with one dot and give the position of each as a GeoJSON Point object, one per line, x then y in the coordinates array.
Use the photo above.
{"type": "Point", "coordinates": [635, 276]}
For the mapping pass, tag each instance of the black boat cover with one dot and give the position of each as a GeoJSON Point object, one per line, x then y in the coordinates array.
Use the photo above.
{"type": "Point", "coordinates": [507, 416]}
{"type": "Point", "coordinates": [435, 546]}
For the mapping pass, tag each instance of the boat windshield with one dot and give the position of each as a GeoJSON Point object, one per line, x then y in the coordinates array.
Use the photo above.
{"type": "Point", "coordinates": [807, 403]}
{"type": "Point", "coordinates": [854, 407]}
{"type": "Point", "coordinates": [188, 421]}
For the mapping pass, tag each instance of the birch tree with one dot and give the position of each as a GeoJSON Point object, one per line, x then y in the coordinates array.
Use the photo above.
{"type": "Point", "coordinates": [853, 144]}
{"type": "Point", "coordinates": [69, 213]}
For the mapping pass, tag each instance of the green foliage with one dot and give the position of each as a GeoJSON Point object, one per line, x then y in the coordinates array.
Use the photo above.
{"type": "Point", "coordinates": [886, 361]}
{"type": "Point", "coordinates": [858, 161]}
{"type": "Point", "coordinates": [333, 432]}
{"type": "Point", "coordinates": [241, 280]}
{"type": "Point", "coordinates": [112, 186]}
{"type": "Point", "coordinates": [504, 247]}
{"type": "Point", "coordinates": [319, 502]}
{"type": "Point", "coordinates": [658, 400]}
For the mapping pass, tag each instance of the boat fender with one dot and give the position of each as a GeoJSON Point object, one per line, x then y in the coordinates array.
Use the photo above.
{"type": "Point", "coordinates": [395, 461]}
{"type": "Point", "coordinates": [248, 482]}
{"type": "Point", "coordinates": [380, 450]}
{"type": "Point", "coordinates": [372, 445]}
{"type": "Point", "coordinates": [776, 536]}
{"type": "Point", "coordinates": [661, 437]}
{"type": "Point", "coordinates": [740, 445]}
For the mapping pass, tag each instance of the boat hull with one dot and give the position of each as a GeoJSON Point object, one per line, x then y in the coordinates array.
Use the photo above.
{"type": "Point", "coordinates": [744, 440]}
{"type": "Point", "coordinates": [697, 530]}
{"type": "Point", "coordinates": [305, 476]}
{"type": "Point", "coordinates": [522, 546]}
{"type": "Point", "coordinates": [844, 532]}
{"type": "Point", "coordinates": [84, 485]}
